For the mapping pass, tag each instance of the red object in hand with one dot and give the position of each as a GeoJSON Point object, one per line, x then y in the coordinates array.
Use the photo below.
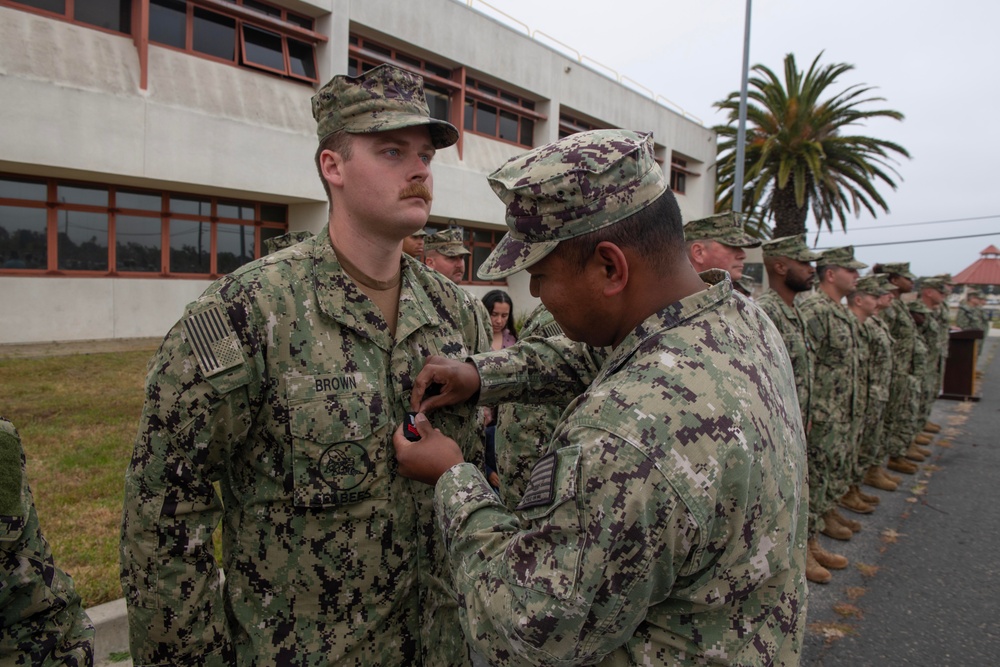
{"type": "Point", "coordinates": [410, 431]}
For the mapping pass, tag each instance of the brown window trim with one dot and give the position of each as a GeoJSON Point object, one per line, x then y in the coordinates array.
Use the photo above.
{"type": "Point", "coordinates": [278, 25]}
{"type": "Point", "coordinates": [66, 16]}
{"type": "Point", "coordinates": [164, 216]}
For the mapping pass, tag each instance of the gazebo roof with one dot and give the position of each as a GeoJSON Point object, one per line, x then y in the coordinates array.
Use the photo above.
{"type": "Point", "coordinates": [984, 271]}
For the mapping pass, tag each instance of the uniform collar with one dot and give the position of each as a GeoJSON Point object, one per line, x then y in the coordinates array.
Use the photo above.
{"type": "Point", "coordinates": [719, 289]}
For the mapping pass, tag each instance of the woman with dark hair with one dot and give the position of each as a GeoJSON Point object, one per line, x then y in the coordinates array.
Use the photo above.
{"type": "Point", "coordinates": [501, 310]}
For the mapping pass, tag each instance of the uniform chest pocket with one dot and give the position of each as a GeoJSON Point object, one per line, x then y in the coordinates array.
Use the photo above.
{"type": "Point", "coordinates": [840, 346]}
{"type": "Point", "coordinates": [339, 449]}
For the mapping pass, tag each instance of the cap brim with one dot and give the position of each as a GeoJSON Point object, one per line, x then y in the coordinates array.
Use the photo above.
{"type": "Point", "coordinates": [741, 241]}
{"type": "Point", "coordinates": [443, 134]}
{"type": "Point", "coordinates": [854, 264]}
{"type": "Point", "coordinates": [807, 256]}
{"type": "Point", "coordinates": [510, 256]}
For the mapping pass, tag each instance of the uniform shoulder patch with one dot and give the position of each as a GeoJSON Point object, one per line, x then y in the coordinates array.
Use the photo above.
{"type": "Point", "coordinates": [213, 341]}
{"type": "Point", "coordinates": [551, 329]}
{"type": "Point", "coordinates": [542, 484]}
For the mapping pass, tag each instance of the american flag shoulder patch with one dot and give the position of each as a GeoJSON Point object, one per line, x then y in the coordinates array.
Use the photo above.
{"type": "Point", "coordinates": [542, 485]}
{"type": "Point", "coordinates": [211, 338]}
{"type": "Point", "coordinates": [551, 329]}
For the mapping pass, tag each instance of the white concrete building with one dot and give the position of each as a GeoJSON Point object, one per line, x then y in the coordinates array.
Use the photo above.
{"type": "Point", "coordinates": [149, 146]}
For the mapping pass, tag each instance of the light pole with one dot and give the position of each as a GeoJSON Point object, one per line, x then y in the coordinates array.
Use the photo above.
{"type": "Point", "coordinates": [741, 129]}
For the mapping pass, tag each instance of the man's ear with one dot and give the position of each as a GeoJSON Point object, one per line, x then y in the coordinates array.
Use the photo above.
{"type": "Point", "coordinates": [613, 265]}
{"type": "Point", "coordinates": [331, 165]}
{"type": "Point", "coordinates": [780, 268]}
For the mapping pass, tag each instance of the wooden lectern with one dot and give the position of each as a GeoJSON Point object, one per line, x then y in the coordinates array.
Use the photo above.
{"type": "Point", "coordinates": [960, 369]}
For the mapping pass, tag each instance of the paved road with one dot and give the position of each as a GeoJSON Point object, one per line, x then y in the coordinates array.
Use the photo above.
{"type": "Point", "coordinates": [928, 595]}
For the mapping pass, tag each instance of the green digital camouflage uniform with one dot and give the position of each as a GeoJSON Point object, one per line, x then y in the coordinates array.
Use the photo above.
{"type": "Point", "coordinates": [697, 464]}
{"type": "Point", "coordinates": [898, 430]}
{"type": "Point", "coordinates": [835, 402]}
{"type": "Point", "coordinates": [971, 318]}
{"type": "Point", "coordinates": [283, 385]}
{"type": "Point", "coordinates": [329, 556]}
{"type": "Point", "coordinates": [789, 319]}
{"type": "Point", "coordinates": [874, 373]}
{"type": "Point", "coordinates": [622, 550]}
{"type": "Point", "coordinates": [790, 324]}
{"type": "Point", "coordinates": [42, 622]}
{"type": "Point", "coordinates": [524, 429]}
{"type": "Point", "coordinates": [875, 334]}
{"type": "Point", "coordinates": [930, 334]}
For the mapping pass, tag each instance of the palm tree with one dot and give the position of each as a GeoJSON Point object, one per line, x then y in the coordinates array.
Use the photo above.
{"type": "Point", "coordinates": [800, 152]}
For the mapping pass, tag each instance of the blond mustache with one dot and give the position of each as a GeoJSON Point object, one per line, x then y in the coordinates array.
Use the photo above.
{"type": "Point", "coordinates": [416, 190]}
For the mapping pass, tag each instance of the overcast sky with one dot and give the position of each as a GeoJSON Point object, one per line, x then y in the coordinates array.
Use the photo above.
{"type": "Point", "coordinates": [938, 63]}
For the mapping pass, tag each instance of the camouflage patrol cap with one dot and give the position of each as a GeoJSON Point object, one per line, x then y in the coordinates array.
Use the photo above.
{"type": "Point", "coordinates": [885, 283]}
{"type": "Point", "coordinates": [383, 98]}
{"type": "Point", "coordinates": [933, 283]}
{"type": "Point", "coordinates": [419, 233]}
{"type": "Point", "coordinates": [945, 278]}
{"type": "Point", "coordinates": [726, 228]}
{"type": "Point", "coordinates": [568, 188]}
{"type": "Point", "coordinates": [917, 306]}
{"type": "Point", "coordinates": [792, 247]}
{"type": "Point", "coordinates": [448, 242]}
{"type": "Point", "coordinates": [871, 285]}
{"type": "Point", "coordinates": [899, 268]}
{"type": "Point", "coordinates": [974, 294]}
{"type": "Point", "coordinates": [842, 257]}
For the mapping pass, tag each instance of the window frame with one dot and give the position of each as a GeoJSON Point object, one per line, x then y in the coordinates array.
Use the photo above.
{"type": "Point", "coordinates": [164, 216]}
{"type": "Point", "coordinates": [67, 14]}
{"type": "Point", "coordinates": [243, 16]}
{"type": "Point", "coordinates": [679, 173]}
{"type": "Point", "coordinates": [474, 95]}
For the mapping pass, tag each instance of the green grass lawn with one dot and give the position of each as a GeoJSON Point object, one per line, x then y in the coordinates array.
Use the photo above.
{"type": "Point", "coordinates": [77, 416]}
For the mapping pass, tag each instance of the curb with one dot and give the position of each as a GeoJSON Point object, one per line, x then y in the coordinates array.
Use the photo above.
{"type": "Point", "coordinates": [111, 626]}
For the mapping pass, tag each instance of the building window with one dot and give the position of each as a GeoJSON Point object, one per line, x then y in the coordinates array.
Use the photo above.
{"type": "Point", "coordinates": [114, 15]}
{"type": "Point", "coordinates": [571, 125]}
{"type": "Point", "coordinates": [56, 227]}
{"type": "Point", "coordinates": [497, 113]}
{"type": "Point", "coordinates": [439, 87]}
{"type": "Point", "coordinates": [679, 174]}
{"type": "Point", "coordinates": [244, 32]}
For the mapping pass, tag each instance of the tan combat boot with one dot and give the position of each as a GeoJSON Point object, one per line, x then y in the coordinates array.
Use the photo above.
{"type": "Point", "coordinates": [923, 439]}
{"type": "Point", "coordinates": [851, 524]}
{"type": "Point", "coordinates": [913, 454]}
{"type": "Point", "coordinates": [874, 478]}
{"type": "Point", "coordinates": [867, 497]}
{"type": "Point", "coordinates": [834, 528]}
{"type": "Point", "coordinates": [815, 572]}
{"type": "Point", "coordinates": [830, 561]}
{"type": "Point", "coordinates": [923, 450]}
{"type": "Point", "coordinates": [852, 501]}
{"type": "Point", "coordinates": [931, 427]}
{"type": "Point", "coordinates": [900, 464]}
{"type": "Point", "coordinates": [895, 479]}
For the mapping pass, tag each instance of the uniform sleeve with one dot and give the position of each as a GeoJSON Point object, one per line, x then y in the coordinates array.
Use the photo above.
{"type": "Point", "coordinates": [42, 621]}
{"type": "Point", "coordinates": [598, 538]}
{"type": "Point", "coordinates": [197, 409]}
{"type": "Point", "coordinates": [538, 370]}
